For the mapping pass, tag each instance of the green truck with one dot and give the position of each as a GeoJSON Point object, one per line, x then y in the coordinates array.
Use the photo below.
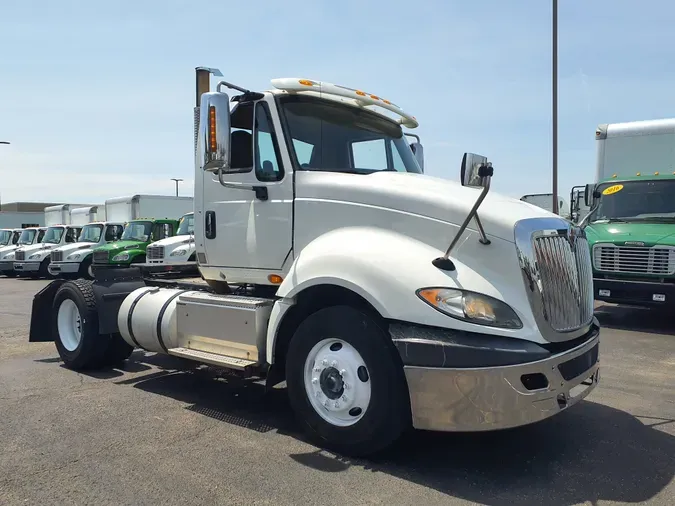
{"type": "Point", "coordinates": [631, 224]}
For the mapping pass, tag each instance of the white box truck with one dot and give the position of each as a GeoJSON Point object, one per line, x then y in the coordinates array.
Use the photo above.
{"type": "Point", "coordinates": [28, 236]}
{"type": "Point", "coordinates": [545, 201]}
{"type": "Point", "coordinates": [75, 260]}
{"type": "Point", "coordinates": [383, 297]}
{"type": "Point", "coordinates": [34, 260]}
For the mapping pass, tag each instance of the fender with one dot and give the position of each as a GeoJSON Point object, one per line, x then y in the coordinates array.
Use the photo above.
{"type": "Point", "coordinates": [386, 268]}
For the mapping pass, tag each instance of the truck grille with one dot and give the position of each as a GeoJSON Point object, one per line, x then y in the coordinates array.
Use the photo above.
{"type": "Point", "coordinates": [56, 256]}
{"type": "Point", "coordinates": [658, 260]}
{"type": "Point", "coordinates": [556, 263]}
{"type": "Point", "coordinates": [20, 255]}
{"type": "Point", "coordinates": [100, 257]}
{"type": "Point", "coordinates": [154, 252]}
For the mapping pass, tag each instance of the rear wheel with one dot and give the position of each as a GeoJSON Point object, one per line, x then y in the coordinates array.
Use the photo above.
{"type": "Point", "coordinates": [346, 383]}
{"type": "Point", "coordinates": [75, 326]}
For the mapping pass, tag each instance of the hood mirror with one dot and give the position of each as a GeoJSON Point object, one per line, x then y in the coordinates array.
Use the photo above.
{"type": "Point", "coordinates": [475, 171]}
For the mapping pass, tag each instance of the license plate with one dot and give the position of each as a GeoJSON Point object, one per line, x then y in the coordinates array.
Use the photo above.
{"type": "Point", "coordinates": [604, 293]}
{"type": "Point", "coordinates": [658, 297]}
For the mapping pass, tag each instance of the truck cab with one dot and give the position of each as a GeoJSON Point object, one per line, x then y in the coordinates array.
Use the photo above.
{"type": "Point", "coordinates": [383, 297]}
{"type": "Point", "coordinates": [76, 259]}
{"type": "Point", "coordinates": [131, 246]}
{"type": "Point", "coordinates": [9, 236]}
{"type": "Point", "coordinates": [34, 260]}
{"type": "Point", "coordinates": [174, 254]}
{"type": "Point", "coordinates": [27, 237]}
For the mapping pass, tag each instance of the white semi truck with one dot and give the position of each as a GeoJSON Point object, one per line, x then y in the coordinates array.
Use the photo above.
{"type": "Point", "coordinates": [173, 255]}
{"type": "Point", "coordinates": [34, 260]}
{"type": "Point", "coordinates": [29, 235]}
{"type": "Point", "coordinates": [383, 297]}
{"type": "Point", "coordinates": [75, 259]}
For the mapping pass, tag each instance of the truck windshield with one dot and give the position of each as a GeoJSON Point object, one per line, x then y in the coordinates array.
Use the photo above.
{"type": "Point", "coordinates": [329, 136]}
{"type": "Point", "coordinates": [636, 201]}
{"type": "Point", "coordinates": [187, 225]}
{"type": "Point", "coordinates": [137, 231]}
{"type": "Point", "coordinates": [5, 236]}
{"type": "Point", "coordinates": [90, 233]}
{"type": "Point", "coordinates": [27, 237]}
{"type": "Point", "coordinates": [53, 235]}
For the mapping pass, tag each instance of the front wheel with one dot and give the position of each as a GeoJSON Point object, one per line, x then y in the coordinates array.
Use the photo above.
{"type": "Point", "coordinates": [86, 270]}
{"type": "Point", "coordinates": [346, 383]}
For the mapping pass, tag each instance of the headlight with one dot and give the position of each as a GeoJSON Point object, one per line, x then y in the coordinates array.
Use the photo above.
{"type": "Point", "coordinates": [10, 256]}
{"type": "Point", "coordinates": [34, 256]}
{"type": "Point", "coordinates": [73, 257]}
{"type": "Point", "coordinates": [178, 253]}
{"type": "Point", "coordinates": [471, 307]}
{"type": "Point", "coordinates": [121, 257]}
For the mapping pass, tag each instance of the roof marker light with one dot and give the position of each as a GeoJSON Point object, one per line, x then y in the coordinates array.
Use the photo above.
{"type": "Point", "coordinates": [637, 174]}
{"type": "Point", "coordinates": [656, 173]}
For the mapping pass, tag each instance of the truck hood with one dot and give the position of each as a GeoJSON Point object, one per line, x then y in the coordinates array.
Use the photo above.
{"type": "Point", "coordinates": [70, 248]}
{"type": "Point", "coordinates": [423, 195]}
{"type": "Point", "coordinates": [37, 247]}
{"type": "Point", "coordinates": [172, 241]}
{"type": "Point", "coordinates": [650, 234]}
{"type": "Point", "coordinates": [120, 245]}
{"type": "Point", "coordinates": [7, 249]}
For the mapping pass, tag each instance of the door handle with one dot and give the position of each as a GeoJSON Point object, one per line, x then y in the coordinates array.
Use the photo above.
{"type": "Point", "coordinates": [210, 225]}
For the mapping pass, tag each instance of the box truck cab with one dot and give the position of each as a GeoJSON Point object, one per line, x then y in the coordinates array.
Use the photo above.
{"type": "Point", "coordinates": [383, 297]}
{"type": "Point", "coordinates": [76, 259]}
{"type": "Point", "coordinates": [26, 236]}
{"type": "Point", "coordinates": [631, 226]}
{"type": "Point", "coordinates": [173, 254]}
{"type": "Point", "coordinates": [148, 218]}
{"type": "Point", "coordinates": [9, 236]}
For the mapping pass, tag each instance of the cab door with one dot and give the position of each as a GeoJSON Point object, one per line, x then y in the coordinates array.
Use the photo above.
{"type": "Point", "coordinates": [244, 228]}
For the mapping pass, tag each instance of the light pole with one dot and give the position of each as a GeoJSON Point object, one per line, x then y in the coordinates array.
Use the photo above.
{"type": "Point", "coordinates": [555, 104]}
{"type": "Point", "coordinates": [177, 180]}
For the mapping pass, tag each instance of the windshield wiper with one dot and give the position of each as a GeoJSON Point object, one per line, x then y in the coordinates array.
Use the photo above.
{"type": "Point", "coordinates": [662, 219]}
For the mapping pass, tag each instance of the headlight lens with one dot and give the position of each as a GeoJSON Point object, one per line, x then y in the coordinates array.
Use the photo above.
{"type": "Point", "coordinates": [121, 257]}
{"type": "Point", "coordinates": [75, 256]}
{"type": "Point", "coordinates": [178, 253]}
{"type": "Point", "coordinates": [34, 256]}
{"type": "Point", "coordinates": [471, 307]}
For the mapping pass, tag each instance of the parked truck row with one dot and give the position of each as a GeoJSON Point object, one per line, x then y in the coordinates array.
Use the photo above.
{"type": "Point", "coordinates": [384, 298]}
{"type": "Point", "coordinates": [76, 240]}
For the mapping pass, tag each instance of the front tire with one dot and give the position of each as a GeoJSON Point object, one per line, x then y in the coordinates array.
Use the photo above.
{"type": "Point", "coordinates": [75, 326]}
{"type": "Point", "coordinates": [346, 382]}
{"type": "Point", "coordinates": [86, 270]}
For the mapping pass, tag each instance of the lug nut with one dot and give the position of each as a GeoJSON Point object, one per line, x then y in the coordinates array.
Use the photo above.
{"type": "Point", "coordinates": [334, 363]}
{"type": "Point", "coordinates": [324, 362]}
{"type": "Point", "coordinates": [315, 381]}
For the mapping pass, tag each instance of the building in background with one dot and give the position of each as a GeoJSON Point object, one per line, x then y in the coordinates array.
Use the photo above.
{"type": "Point", "coordinates": [24, 214]}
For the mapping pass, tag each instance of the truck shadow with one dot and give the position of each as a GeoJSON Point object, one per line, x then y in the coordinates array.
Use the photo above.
{"type": "Point", "coordinates": [592, 452]}
{"type": "Point", "coordinates": [652, 320]}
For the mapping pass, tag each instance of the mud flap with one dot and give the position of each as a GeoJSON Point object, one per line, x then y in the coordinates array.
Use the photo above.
{"type": "Point", "coordinates": [40, 314]}
{"type": "Point", "coordinates": [111, 286]}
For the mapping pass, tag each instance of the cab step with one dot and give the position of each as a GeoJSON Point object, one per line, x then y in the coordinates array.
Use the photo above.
{"type": "Point", "coordinates": [238, 364]}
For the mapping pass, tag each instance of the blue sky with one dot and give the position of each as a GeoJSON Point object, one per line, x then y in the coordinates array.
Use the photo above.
{"type": "Point", "coordinates": [97, 97]}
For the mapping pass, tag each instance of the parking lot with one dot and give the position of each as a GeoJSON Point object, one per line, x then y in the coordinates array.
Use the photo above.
{"type": "Point", "coordinates": [159, 431]}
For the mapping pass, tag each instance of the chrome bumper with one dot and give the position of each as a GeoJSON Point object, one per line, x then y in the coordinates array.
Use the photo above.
{"type": "Point", "coordinates": [492, 398]}
{"type": "Point", "coordinates": [6, 265]}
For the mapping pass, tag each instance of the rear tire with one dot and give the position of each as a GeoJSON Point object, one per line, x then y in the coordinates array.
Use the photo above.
{"type": "Point", "coordinates": [346, 383]}
{"type": "Point", "coordinates": [117, 352]}
{"type": "Point", "coordinates": [75, 326]}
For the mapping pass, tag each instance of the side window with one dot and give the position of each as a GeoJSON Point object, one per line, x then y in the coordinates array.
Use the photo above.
{"type": "Point", "coordinates": [71, 234]}
{"type": "Point", "coordinates": [303, 152]}
{"type": "Point", "coordinates": [113, 233]}
{"type": "Point", "coordinates": [399, 165]}
{"type": "Point", "coordinates": [241, 137]}
{"type": "Point", "coordinates": [162, 230]}
{"type": "Point", "coordinates": [370, 155]}
{"type": "Point", "coordinates": [267, 159]}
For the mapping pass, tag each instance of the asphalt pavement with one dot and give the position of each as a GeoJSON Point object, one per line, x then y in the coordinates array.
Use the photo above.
{"type": "Point", "coordinates": [161, 431]}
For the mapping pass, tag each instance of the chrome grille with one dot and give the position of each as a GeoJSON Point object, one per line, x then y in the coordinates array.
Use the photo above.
{"type": "Point", "coordinates": [20, 255]}
{"type": "Point", "coordinates": [154, 252]}
{"type": "Point", "coordinates": [556, 265]}
{"type": "Point", "coordinates": [100, 257]}
{"type": "Point", "coordinates": [659, 260]}
{"type": "Point", "coordinates": [567, 278]}
{"type": "Point", "coordinates": [56, 256]}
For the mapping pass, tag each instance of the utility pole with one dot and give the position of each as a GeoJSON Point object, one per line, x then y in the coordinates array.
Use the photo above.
{"type": "Point", "coordinates": [2, 142]}
{"type": "Point", "coordinates": [177, 180]}
{"type": "Point", "coordinates": [555, 104]}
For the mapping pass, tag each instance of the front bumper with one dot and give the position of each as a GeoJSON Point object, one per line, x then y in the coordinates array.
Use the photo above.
{"type": "Point", "coordinates": [26, 266]}
{"type": "Point", "coordinates": [492, 397]}
{"type": "Point", "coordinates": [639, 293]}
{"type": "Point", "coordinates": [56, 268]}
{"type": "Point", "coordinates": [6, 265]}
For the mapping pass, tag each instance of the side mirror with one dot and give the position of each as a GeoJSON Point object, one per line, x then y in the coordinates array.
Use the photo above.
{"type": "Point", "coordinates": [475, 170]}
{"type": "Point", "coordinates": [418, 151]}
{"type": "Point", "coordinates": [588, 195]}
{"type": "Point", "coordinates": [213, 141]}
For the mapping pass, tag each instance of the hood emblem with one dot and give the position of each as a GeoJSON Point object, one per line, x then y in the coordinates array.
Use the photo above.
{"type": "Point", "coordinates": [634, 243]}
